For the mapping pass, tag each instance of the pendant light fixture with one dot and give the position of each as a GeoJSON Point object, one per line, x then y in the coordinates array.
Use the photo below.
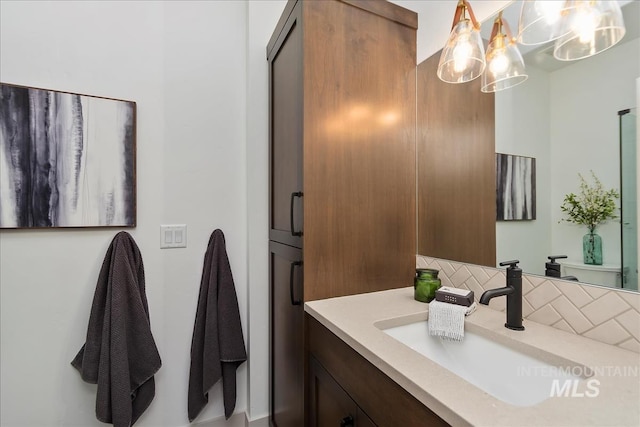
{"type": "Point", "coordinates": [539, 21]}
{"type": "Point", "coordinates": [505, 66]}
{"type": "Point", "coordinates": [462, 58]}
{"type": "Point", "coordinates": [589, 27]}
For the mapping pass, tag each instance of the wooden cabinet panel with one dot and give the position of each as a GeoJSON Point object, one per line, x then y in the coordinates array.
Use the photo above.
{"type": "Point", "coordinates": [383, 400]}
{"type": "Point", "coordinates": [329, 404]}
{"type": "Point", "coordinates": [359, 150]}
{"type": "Point", "coordinates": [287, 336]}
{"type": "Point", "coordinates": [363, 419]}
{"type": "Point", "coordinates": [456, 169]}
{"type": "Point", "coordinates": [342, 133]}
{"type": "Point", "coordinates": [285, 68]}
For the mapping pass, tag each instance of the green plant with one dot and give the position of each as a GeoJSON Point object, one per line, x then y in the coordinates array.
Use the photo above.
{"type": "Point", "coordinates": [592, 207]}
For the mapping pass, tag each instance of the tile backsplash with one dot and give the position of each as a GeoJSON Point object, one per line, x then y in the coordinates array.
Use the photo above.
{"type": "Point", "coordinates": [608, 315]}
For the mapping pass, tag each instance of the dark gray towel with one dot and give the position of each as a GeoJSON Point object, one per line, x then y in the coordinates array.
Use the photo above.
{"type": "Point", "coordinates": [120, 355]}
{"type": "Point", "coordinates": [217, 346]}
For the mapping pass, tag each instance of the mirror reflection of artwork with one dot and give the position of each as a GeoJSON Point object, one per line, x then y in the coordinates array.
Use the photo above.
{"type": "Point", "coordinates": [515, 187]}
{"type": "Point", "coordinates": [66, 160]}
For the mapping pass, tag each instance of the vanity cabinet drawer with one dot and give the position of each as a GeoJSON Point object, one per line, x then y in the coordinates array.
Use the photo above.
{"type": "Point", "coordinates": [358, 383]}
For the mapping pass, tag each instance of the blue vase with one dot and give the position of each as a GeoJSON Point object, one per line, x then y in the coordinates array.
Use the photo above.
{"type": "Point", "coordinates": [592, 249]}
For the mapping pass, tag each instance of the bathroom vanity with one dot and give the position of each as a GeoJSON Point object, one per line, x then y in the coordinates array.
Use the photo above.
{"type": "Point", "coordinates": [350, 342]}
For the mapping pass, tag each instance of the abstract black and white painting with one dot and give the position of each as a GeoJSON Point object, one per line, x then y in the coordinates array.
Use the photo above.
{"type": "Point", "coordinates": [66, 160]}
{"type": "Point", "coordinates": [515, 187]}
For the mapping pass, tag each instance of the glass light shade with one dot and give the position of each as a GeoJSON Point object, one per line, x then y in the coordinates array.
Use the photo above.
{"type": "Point", "coordinates": [505, 66]}
{"type": "Point", "coordinates": [539, 21]}
{"type": "Point", "coordinates": [591, 27]}
{"type": "Point", "coordinates": [462, 58]}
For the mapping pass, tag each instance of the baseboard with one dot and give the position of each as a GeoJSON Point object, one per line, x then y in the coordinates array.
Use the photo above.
{"type": "Point", "coordinates": [236, 420]}
{"type": "Point", "coordinates": [258, 422]}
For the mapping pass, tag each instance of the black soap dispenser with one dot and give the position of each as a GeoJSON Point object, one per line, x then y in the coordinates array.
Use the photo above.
{"type": "Point", "coordinates": [552, 268]}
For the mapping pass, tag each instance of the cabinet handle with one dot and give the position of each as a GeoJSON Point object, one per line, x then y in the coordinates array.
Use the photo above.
{"type": "Point", "coordinates": [293, 267]}
{"type": "Point", "coordinates": [293, 196]}
{"type": "Point", "coordinates": [346, 421]}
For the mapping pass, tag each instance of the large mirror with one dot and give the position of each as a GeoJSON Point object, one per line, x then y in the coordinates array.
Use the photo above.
{"type": "Point", "coordinates": [570, 117]}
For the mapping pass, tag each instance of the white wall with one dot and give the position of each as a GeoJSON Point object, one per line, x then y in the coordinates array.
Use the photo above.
{"type": "Point", "coordinates": [585, 136]}
{"type": "Point", "coordinates": [522, 128]}
{"type": "Point", "coordinates": [435, 18]}
{"type": "Point", "coordinates": [185, 65]}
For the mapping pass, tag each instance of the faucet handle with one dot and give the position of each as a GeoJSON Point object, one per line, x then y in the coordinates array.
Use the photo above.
{"type": "Point", "coordinates": [511, 264]}
{"type": "Point", "coordinates": [553, 258]}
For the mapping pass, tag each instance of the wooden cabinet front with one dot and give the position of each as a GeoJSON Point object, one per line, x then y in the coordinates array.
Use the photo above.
{"type": "Point", "coordinates": [287, 335]}
{"type": "Point", "coordinates": [383, 400]}
{"type": "Point", "coordinates": [285, 86]}
{"type": "Point", "coordinates": [342, 168]}
{"type": "Point", "coordinates": [330, 405]}
{"type": "Point", "coordinates": [359, 147]}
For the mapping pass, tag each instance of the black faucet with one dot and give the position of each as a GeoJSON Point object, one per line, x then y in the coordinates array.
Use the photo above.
{"type": "Point", "coordinates": [552, 268]}
{"type": "Point", "coordinates": [513, 291]}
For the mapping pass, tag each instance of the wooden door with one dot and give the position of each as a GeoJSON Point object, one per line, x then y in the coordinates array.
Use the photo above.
{"type": "Point", "coordinates": [287, 339]}
{"type": "Point", "coordinates": [285, 86]}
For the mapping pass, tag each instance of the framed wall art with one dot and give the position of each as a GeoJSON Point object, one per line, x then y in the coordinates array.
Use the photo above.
{"type": "Point", "coordinates": [515, 187]}
{"type": "Point", "coordinates": [66, 160]}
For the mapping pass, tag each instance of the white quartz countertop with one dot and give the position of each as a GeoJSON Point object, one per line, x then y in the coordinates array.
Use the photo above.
{"type": "Point", "coordinates": [359, 319]}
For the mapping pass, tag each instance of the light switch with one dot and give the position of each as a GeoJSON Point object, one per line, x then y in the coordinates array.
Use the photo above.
{"type": "Point", "coordinates": [173, 236]}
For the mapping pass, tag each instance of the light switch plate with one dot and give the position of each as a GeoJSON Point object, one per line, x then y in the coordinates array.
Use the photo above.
{"type": "Point", "coordinates": [173, 236]}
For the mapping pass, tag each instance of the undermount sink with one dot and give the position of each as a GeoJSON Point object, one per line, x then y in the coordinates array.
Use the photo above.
{"type": "Point", "coordinates": [506, 374]}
